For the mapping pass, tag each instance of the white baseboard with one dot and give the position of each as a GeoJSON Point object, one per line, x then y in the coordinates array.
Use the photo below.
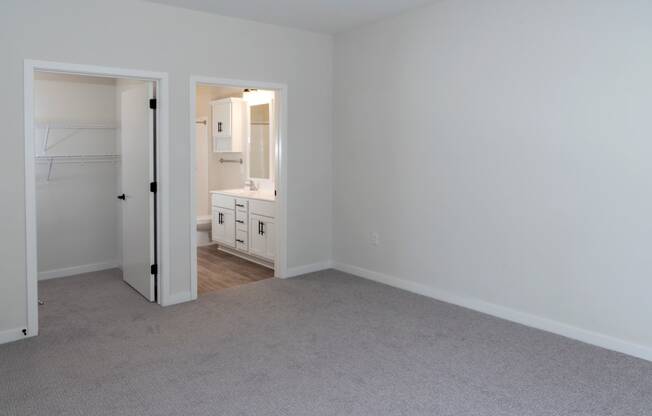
{"type": "Point", "coordinates": [308, 268]}
{"type": "Point", "coordinates": [71, 271]}
{"type": "Point", "coordinates": [524, 318]}
{"type": "Point", "coordinates": [210, 243]}
{"type": "Point", "coordinates": [248, 257]}
{"type": "Point", "coordinates": [11, 335]}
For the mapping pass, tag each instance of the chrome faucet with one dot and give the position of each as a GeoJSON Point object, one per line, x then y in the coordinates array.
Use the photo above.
{"type": "Point", "coordinates": [252, 185]}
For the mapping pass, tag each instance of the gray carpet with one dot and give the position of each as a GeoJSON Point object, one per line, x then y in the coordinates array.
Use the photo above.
{"type": "Point", "coordinates": [324, 344]}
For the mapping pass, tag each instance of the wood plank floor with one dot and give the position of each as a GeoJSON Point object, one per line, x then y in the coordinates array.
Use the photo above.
{"type": "Point", "coordinates": [217, 270]}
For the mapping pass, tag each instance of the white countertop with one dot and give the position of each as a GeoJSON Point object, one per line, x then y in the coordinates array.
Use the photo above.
{"type": "Point", "coordinates": [246, 193]}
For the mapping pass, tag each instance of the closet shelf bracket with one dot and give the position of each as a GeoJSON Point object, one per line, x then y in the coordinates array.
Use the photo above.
{"type": "Point", "coordinates": [45, 138]}
{"type": "Point", "coordinates": [50, 170]}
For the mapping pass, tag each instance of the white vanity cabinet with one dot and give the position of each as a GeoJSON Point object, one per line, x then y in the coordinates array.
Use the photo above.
{"type": "Point", "coordinates": [244, 226]}
{"type": "Point", "coordinates": [229, 125]}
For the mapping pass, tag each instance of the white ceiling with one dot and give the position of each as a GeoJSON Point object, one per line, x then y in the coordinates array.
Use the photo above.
{"type": "Point", "coordinates": [327, 16]}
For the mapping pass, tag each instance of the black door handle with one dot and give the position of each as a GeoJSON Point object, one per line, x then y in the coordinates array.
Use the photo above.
{"type": "Point", "coordinates": [123, 197]}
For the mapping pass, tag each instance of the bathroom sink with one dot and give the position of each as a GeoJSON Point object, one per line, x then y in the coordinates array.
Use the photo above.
{"type": "Point", "coordinates": [246, 193]}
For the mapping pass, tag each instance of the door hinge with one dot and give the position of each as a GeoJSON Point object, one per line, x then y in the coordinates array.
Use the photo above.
{"type": "Point", "coordinates": [153, 187]}
{"type": "Point", "coordinates": [153, 269]}
{"type": "Point", "coordinates": [152, 103]}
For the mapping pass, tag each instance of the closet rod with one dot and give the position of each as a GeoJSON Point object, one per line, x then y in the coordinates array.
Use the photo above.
{"type": "Point", "coordinates": [78, 125]}
{"type": "Point", "coordinates": [76, 157]}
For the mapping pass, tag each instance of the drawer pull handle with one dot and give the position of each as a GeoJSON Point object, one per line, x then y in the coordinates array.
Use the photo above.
{"type": "Point", "coordinates": [240, 241]}
{"type": "Point", "coordinates": [239, 205]}
{"type": "Point", "coordinates": [239, 221]}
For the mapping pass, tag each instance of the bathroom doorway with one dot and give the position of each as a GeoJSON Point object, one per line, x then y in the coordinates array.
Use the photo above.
{"type": "Point", "coordinates": [92, 171]}
{"type": "Point", "coordinates": [237, 208]}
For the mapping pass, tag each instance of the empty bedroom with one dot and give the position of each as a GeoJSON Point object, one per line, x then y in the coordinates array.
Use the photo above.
{"type": "Point", "coordinates": [318, 207]}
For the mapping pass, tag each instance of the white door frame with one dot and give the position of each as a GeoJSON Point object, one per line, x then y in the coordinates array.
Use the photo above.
{"type": "Point", "coordinates": [280, 264]}
{"type": "Point", "coordinates": [163, 195]}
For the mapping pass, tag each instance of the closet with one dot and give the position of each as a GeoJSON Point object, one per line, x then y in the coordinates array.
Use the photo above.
{"type": "Point", "coordinates": [77, 170]}
{"type": "Point", "coordinates": [94, 153]}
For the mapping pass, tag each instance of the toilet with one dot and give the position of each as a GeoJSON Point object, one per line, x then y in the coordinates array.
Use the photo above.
{"type": "Point", "coordinates": [203, 230]}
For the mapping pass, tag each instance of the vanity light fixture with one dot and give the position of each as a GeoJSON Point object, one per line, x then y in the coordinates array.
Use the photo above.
{"type": "Point", "coordinates": [256, 97]}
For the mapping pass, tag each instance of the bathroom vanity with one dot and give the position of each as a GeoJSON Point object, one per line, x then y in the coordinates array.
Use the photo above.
{"type": "Point", "coordinates": [243, 224]}
{"type": "Point", "coordinates": [243, 220]}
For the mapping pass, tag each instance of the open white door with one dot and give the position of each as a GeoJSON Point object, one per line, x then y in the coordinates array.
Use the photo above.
{"type": "Point", "coordinates": [138, 202]}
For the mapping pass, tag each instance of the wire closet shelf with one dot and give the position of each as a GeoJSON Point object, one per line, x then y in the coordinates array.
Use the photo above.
{"type": "Point", "coordinates": [73, 158]}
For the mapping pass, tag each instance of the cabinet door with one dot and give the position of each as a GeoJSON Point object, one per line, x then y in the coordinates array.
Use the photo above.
{"type": "Point", "coordinates": [270, 239]}
{"type": "Point", "coordinates": [262, 237]}
{"type": "Point", "coordinates": [217, 230]}
{"type": "Point", "coordinates": [224, 226]}
{"type": "Point", "coordinates": [256, 239]}
{"type": "Point", "coordinates": [222, 120]}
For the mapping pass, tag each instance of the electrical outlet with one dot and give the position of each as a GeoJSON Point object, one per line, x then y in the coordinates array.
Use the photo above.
{"type": "Point", "coordinates": [375, 238]}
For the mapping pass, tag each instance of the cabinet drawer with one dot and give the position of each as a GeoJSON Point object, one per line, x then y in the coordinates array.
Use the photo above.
{"type": "Point", "coordinates": [241, 216]}
{"type": "Point", "coordinates": [264, 208]}
{"type": "Point", "coordinates": [241, 240]}
{"type": "Point", "coordinates": [219, 200]}
{"type": "Point", "coordinates": [241, 204]}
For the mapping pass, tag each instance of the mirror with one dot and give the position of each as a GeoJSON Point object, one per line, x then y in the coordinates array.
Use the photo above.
{"type": "Point", "coordinates": [259, 142]}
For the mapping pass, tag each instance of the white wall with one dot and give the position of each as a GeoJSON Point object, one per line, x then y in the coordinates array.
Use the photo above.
{"type": "Point", "coordinates": [147, 36]}
{"type": "Point", "coordinates": [76, 210]}
{"type": "Point", "coordinates": [501, 149]}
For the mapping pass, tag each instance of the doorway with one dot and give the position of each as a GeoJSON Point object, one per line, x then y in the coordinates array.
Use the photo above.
{"type": "Point", "coordinates": [237, 183]}
{"type": "Point", "coordinates": [92, 141]}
